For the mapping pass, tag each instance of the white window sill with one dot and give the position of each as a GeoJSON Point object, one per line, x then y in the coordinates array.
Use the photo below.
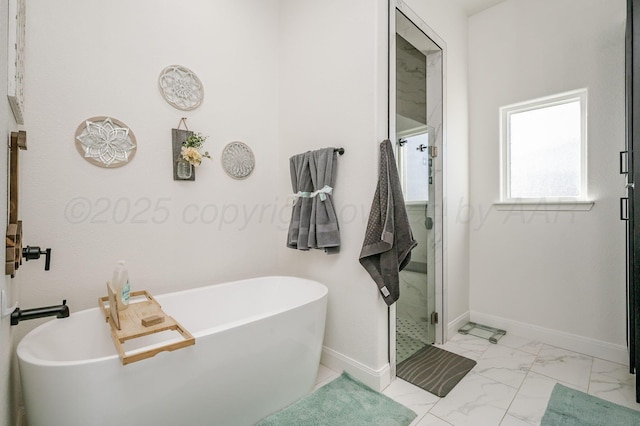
{"type": "Point", "coordinates": [577, 206]}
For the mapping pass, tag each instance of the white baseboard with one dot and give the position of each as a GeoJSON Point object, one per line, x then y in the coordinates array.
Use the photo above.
{"type": "Point", "coordinates": [573, 342]}
{"type": "Point", "coordinates": [375, 379]}
{"type": "Point", "coordinates": [453, 326]}
{"type": "Point", "coordinates": [380, 379]}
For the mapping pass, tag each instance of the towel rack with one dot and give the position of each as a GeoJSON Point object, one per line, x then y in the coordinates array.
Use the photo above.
{"type": "Point", "coordinates": [339, 150]}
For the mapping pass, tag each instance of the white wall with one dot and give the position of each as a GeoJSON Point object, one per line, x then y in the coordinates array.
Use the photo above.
{"type": "Point", "coordinates": [87, 60]}
{"type": "Point", "coordinates": [555, 275]}
{"type": "Point", "coordinates": [333, 53]}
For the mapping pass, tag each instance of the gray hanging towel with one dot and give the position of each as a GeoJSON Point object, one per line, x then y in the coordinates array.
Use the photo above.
{"type": "Point", "coordinates": [324, 232]}
{"type": "Point", "coordinates": [298, 237]}
{"type": "Point", "coordinates": [314, 223]}
{"type": "Point", "coordinates": [388, 242]}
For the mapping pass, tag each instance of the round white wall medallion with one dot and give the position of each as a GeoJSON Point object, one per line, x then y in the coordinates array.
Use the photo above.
{"type": "Point", "coordinates": [180, 87]}
{"type": "Point", "coordinates": [105, 142]}
{"type": "Point", "coordinates": [237, 160]}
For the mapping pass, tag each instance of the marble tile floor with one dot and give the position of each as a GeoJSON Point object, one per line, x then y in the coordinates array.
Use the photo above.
{"type": "Point", "coordinates": [510, 385]}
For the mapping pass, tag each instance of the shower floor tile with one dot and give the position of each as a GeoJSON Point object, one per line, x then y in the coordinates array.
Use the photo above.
{"type": "Point", "coordinates": [410, 338]}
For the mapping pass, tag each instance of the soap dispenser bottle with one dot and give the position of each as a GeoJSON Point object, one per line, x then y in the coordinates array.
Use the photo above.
{"type": "Point", "coordinates": [120, 284]}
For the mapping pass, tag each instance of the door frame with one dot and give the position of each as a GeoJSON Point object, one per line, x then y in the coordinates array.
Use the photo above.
{"type": "Point", "coordinates": [439, 175]}
{"type": "Point", "coordinates": [632, 214]}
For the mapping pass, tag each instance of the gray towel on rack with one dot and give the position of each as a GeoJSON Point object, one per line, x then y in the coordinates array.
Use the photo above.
{"type": "Point", "coordinates": [323, 228]}
{"type": "Point", "coordinates": [314, 222]}
{"type": "Point", "coordinates": [298, 237]}
{"type": "Point", "coordinates": [388, 242]}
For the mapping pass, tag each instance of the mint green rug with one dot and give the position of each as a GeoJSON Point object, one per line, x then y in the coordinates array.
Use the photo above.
{"type": "Point", "coordinates": [569, 407]}
{"type": "Point", "coordinates": [342, 402]}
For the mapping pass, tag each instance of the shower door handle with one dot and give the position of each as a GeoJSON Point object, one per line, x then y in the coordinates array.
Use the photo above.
{"type": "Point", "coordinates": [428, 222]}
{"type": "Point", "coordinates": [624, 162]}
{"type": "Point", "coordinates": [624, 208]}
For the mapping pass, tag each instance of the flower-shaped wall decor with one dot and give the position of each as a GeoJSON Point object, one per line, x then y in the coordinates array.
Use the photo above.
{"type": "Point", "coordinates": [180, 87]}
{"type": "Point", "coordinates": [105, 142]}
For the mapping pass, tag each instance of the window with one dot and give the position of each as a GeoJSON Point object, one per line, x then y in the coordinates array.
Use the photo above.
{"type": "Point", "coordinates": [543, 149]}
{"type": "Point", "coordinates": [415, 166]}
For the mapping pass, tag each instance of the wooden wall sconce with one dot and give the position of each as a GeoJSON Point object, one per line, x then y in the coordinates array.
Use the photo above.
{"type": "Point", "coordinates": [18, 141]}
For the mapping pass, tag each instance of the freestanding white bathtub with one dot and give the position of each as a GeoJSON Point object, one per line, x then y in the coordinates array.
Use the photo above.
{"type": "Point", "coordinates": [258, 344]}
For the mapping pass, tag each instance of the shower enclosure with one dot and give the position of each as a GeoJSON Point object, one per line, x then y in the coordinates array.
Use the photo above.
{"type": "Point", "coordinates": [416, 124]}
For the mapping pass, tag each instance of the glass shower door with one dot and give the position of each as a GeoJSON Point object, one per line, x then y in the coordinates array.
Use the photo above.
{"type": "Point", "coordinates": [415, 327]}
{"type": "Point", "coordinates": [417, 131]}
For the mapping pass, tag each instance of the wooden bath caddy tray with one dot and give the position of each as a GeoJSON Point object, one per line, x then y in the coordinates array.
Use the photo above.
{"type": "Point", "coordinates": [141, 318]}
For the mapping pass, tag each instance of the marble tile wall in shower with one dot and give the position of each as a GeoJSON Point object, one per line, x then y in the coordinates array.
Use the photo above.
{"type": "Point", "coordinates": [413, 295]}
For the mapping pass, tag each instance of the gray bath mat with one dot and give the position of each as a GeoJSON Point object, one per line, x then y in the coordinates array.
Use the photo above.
{"type": "Point", "coordinates": [434, 370]}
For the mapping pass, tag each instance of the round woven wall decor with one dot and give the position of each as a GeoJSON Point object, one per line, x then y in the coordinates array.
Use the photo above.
{"type": "Point", "coordinates": [238, 160]}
